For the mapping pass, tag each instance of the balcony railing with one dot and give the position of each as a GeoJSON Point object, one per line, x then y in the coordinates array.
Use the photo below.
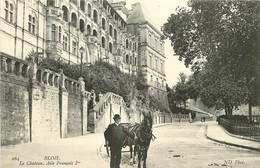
{"type": "Point", "coordinates": [53, 46]}
{"type": "Point", "coordinates": [92, 39]}
{"type": "Point", "coordinates": [54, 11]}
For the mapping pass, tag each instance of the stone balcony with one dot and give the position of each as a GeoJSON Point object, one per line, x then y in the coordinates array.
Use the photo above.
{"type": "Point", "coordinates": [91, 39]}
{"type": "Point", "coordinates": [54, 12]}
{"type": "Point", "coordinates": [53, 47]}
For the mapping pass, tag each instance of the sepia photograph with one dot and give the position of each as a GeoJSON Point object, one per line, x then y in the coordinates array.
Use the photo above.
{"type": "Point", "coordinates": [130, 83]}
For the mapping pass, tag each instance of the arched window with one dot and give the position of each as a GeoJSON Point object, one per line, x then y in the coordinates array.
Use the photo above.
{"type": "Point", "coordinates": [9, 9]}
{"type": "Point", "coordinates": [59, 34]}
{"type": "Point", "coordinates": [126, 43]}
{"type": "Point", "coordinates": [50, 2]}
{"type": "Point", "coordinates": [127, 59]}
{"type": "Point", "coordinates": [95, 33]}
{"type": "Point", "coordinates": [53, 32]}
{"type": "Point", "coordinates": [135, 61]}
{"type": "Point", "coordinates": [65, 13]}
{"type": "Point", "coordinates": [111, 30]}
{"type": "Point", "coordinates": [115, 34]}
{"type": "Point", "coordinates": [31, 24]}
{"type": "Point", "coordinates": [110, 47]}
{"type": "Point", "coordinates": [89, 10]}
{"type": "Point", "coordinates": [95, 16]}
{"type": "Point", "coordinates": [103, 24]}
{"type": "Point", "coordinates": [103, 42]}
{"type": "Point", "coordinates": [74, 19]}
{"type": "Point", "coordinates": [81, 25]}
{"type": "Point", "coordinates": [82, 5]}
{"type": "Point", "coordinates": [88, 30]}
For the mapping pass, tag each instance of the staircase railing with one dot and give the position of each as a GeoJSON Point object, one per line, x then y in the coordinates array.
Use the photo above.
{"type": "Point", "coordinates": [106, 100]}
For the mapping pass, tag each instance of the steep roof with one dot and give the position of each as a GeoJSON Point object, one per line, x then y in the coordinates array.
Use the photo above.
{"type": "Point", "coordinates": [138, 14]}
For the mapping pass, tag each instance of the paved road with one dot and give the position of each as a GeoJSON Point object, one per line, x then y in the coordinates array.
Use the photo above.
{"type": "Point", "coordinates": [181, 145]}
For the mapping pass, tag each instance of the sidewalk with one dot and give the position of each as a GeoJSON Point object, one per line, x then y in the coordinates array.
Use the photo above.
{"type": "Point", "coordinates": [217, 133]}
{"type": "Point", "coordinates": [78, 152]}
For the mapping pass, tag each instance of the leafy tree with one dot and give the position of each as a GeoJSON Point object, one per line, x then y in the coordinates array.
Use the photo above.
{"type": "Point", "coordinates": [182, 90]}
{"type": "Point", "coordinates": [222, 39]}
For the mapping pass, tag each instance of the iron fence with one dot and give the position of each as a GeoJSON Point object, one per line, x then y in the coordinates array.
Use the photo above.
{"type": "Point", "coordinates": [242, 128]}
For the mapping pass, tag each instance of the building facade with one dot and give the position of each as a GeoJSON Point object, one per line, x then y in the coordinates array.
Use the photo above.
{"type": "Point", "coordinates": [91, 29]}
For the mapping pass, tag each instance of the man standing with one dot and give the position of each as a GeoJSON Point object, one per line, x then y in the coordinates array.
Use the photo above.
{"type": "Point", "coordinates": [115, 134]}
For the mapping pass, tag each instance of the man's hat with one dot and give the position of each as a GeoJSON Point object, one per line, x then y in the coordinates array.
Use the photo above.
{"type": "Point", "coordinates": [117, 116]}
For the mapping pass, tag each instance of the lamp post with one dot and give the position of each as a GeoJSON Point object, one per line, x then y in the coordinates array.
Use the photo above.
{"type": "Point", "coordinates": [81, 50]}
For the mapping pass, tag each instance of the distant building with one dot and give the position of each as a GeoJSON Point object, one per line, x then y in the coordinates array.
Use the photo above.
{"type": "Point", "coordinates": [94, 29]}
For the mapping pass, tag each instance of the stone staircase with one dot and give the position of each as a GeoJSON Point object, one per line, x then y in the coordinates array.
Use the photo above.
{"type": "Point", "coordinates": [102, 114]}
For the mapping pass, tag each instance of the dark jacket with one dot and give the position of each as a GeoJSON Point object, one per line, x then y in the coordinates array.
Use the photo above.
{"type": "Point", "coordinates": [116, 135]}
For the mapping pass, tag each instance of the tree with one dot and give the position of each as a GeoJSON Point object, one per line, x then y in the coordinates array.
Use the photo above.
{"type": "Point", "coordinates": [182, 90]}
{"type": "Point", "coordinates": [222, 39]}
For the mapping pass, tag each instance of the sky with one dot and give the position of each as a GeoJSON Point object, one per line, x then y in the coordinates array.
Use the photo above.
{"type": "Point", "coordinates": [159, 11]}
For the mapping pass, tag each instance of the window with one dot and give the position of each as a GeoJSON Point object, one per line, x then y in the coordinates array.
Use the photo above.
{"type": "Point", "coordinates": [95, 33]}
{"type": "Point", "coordinates": [151, 61]}
{"type": "Point", "coordinates": [150, 39]}
{"type": "Point", "coordinates": [81, 25]}
{"type": "Point", "coordinates": [131, 60]}
{"type": "Point", "coordinates": [161, 48]}
{"type": "Point", "coordinates": [50, 2]}
{"type": "Point", "coordinates": [6, 10]}
{"type": "Point", "coordinates": [74, 19]}
{"type": "Point", "coordinates": [82, 5]}
{"type": "Point", "coordinates": [9, 8]}
{"type": "Point", "coordinates": [65, 13]}
{"type": "Point", "coordinates": [74, 47]}
{"type": "Point", "coordinates": [155, 43]}
{"type": "Point", "coordinates": [89, 10]}
{"type": "Point", "coordinates": [65, 43]}
{"type": "Point", "coordinates": [162, 67]}
{"type": "Point", "coordinates": [115, 34]}
{"type": "Point", "coordinates": [151, 78]}
{"type": "Point", "coordinates": [95, 16]}
{"type": "Point", "coordinates": [156, 66]}
{"type": "Point", "coordinates": [110, 47]}
{"type": "Point", "coordinates": [31, 24]}
{"type": "Point", "coordinates": [126, 43]}
{"type": "Point", "coordinates": [88, 30]}
{"type": "Point", "coordinates": [53, 32]}
{"type": "Point", "coordinates": [59, 34]}
{"type": "Point", "coordinates": [111, 30]}
{"type": "Point", "coordinates": [127, 59]}
{"type": "Point", "coordinates": [103, 24]}
{"type": "Point", "coordinates": [135, 61]}
{"type": "Point", "coordinates": [103, 42]}
{"type": "Point", "coordinates": [11, 13]}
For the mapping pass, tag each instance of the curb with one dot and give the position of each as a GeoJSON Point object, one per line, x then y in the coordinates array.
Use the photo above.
{"type": "Point", "coordinates": [231, 144]}
{"type": "Point", "coordinates": [238, 136]}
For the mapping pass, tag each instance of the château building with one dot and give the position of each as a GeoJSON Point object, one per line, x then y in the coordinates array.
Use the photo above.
{"type": "Point", "coordinates": [89, 29]}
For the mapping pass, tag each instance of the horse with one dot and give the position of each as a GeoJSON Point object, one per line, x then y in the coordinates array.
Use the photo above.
{"type": "Point", "coordinates": [144, 135]}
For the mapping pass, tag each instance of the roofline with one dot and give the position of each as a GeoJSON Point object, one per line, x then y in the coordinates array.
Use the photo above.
{"type": "Point", "coordinates": [147, 22]}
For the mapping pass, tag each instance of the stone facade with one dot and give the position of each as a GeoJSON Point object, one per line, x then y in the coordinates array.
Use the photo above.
{"type": "Point", "coordinates": [89, 29]}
